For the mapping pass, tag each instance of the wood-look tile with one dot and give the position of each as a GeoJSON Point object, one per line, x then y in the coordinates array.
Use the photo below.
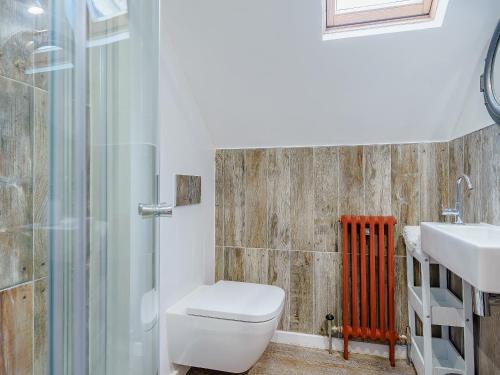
{"type": "Point", "coordinates": [279, 275]}
{"type": "Point", "coordinates": [219, 197]}
{"type": "Point", "coordinates": [256, 198]}
{"type": "Point", "coordinates": [457, 338]}
{"type": "Point", "coordinates": [326, 178]}
{"type": "Point", "coordinates": [40, 184]}
{"type": "Point", "coordinates": [16, 36]}
{"type": "Point", "coordinates": [40, 313]}
{"type": "Point", "coordinates": [456, 168]}
{"type": "Point", "coordinates": [281, 359]}
{"type": "Point", "coordinates": [187, 190]}
{"type": "Point", "coordinates": [405, 190]}
{"type": "Point", "coordinates": [234, 197]}
{"type": "Point", "coordinates": [233, 264]}
{"type": "Point", "coordinates": [490, 183]}
{"type": "Point", "coordinates": [433, 166]}
{"type": "Point", "coordinates": [351, 182]}
{"type": "Point", "coordinates": [16, 193]}
{"type": "Point", "coordinates": [488, 342]}
{"type": "Point", "coordinates": [433, 271]}
{"type": "Point", "coordinates": [377, 175]}
{"type": "Point", "coordinates": [456, 333]}
{"type": "Point", "coordinates": [16, 262]}
{"type": "Point", "coordinates": [301, 198]}
{"type": "Point", "coordinates": [301, 291]}
{"type": "Point", "coordinates": [16, 103]}
{"type": "Point", "coordinates": [295, 360]}
{"type": "Point", "coordinates": [256, 266]}
{"type": "Point", "coordinates": [472, 168]}
{"type": "Point", "coordinates": [454, 284]}
{"type": "Point", "coordinates": [278, 198]}
{"type": "Point", "coordinates": [42, 60]}
{"type": "Point", "coordinates": [327, 290]}
{"type": "Point", "coordinates": [16, 327]}
{"type": "Point", "coordinates": [400, 295]}
{"type": "Point", "coordinates": [219, 263]}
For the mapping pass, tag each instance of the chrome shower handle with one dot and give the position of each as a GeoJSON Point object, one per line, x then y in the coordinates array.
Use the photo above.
{"type": "Point", "coordinates": [155, 210]}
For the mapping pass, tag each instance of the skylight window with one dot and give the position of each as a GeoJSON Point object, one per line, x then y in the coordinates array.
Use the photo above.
{"type": "Point", "coordinates": [352, 15]}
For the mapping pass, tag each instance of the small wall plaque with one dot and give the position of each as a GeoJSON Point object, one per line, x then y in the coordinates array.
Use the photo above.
{"type": "Point", "coordinates": [187, 190]}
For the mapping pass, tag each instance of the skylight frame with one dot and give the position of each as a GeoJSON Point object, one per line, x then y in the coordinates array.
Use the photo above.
{"type": "Point", "coordinates": [389, 14]}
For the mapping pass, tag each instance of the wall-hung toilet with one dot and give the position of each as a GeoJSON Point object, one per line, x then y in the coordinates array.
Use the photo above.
{"type": "Point", "coordinates": [225, 326]}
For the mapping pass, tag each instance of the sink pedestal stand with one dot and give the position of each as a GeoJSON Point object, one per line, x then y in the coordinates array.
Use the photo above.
{"type": "Point", "coordinates": [438, 306]}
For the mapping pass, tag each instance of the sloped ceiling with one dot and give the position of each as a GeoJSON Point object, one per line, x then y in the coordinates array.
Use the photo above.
{"type": "Point", "coordinates": [262, 75]}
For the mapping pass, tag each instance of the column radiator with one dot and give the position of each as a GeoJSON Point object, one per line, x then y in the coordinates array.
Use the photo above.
{"type": "Point", "coordinates": [368, 277]}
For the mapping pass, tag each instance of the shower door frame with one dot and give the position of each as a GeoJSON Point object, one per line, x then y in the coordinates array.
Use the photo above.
{"type": "Point", "coordinates": [68, 160]}
{"type": "Point", "coordinates": [70, 149]}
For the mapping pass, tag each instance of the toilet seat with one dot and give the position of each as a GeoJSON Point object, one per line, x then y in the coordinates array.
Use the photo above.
{"type": "Point", "coordinates": [225, 326]}
{"type": "Point", "coordinates": [244, 302]}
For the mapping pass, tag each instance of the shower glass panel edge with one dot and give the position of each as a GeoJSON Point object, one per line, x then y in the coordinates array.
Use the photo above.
{"type": "Point", "coordinates": [103, 316]}
{"type": "Point", "coordinates": [67, 194]}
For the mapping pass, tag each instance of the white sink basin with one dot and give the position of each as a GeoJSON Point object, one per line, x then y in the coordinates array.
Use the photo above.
{"type": "Point", "coordinates": [471, 251]}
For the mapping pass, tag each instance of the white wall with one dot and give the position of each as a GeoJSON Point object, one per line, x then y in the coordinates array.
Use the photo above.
{"type": "Point", "coordinates": [263, 76]}
{"type": "Point", "coordinates": [474, 115]}
{"type": "Point", "coordinates": [186, 239]}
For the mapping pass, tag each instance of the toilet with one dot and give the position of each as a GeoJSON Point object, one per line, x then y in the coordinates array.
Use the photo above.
{"type": "Point", "coordinates": [225, 326]}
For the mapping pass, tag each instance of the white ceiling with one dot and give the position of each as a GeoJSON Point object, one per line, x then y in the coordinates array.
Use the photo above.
{"type": "Point", "coordinates": [262, 75]}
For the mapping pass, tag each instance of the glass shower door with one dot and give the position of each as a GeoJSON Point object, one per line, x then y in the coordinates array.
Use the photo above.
{"type": "Point", "coordinates": [102, 71]}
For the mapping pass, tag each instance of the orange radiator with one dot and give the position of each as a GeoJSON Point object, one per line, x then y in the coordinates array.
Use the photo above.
{"type": "Point", "coordinates": [368, 258]}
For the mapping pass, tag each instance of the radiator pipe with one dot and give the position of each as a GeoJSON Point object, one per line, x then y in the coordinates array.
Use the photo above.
{"type": "Point", "coordinates": [337, 331]}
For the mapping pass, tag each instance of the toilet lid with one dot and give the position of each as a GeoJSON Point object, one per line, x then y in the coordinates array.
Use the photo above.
{"type": "Point", "coordinates": [243, 302]}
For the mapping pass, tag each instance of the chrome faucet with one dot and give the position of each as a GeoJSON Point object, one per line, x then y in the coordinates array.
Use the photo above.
{"type": "Point", "coordinates": [457, 211]}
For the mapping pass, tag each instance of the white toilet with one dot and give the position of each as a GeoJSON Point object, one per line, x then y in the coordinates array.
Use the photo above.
{"type": "Point", "coordinates": [225, 326]}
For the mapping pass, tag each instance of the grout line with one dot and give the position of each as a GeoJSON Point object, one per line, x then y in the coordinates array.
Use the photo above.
{"type": "Point", "coordinates": [284, 251]}
{"type": "Point", "coordinates": [33, 165]}
{"type": "Point", "coordinates": [24, 283]}
{"type": "Point", "coordinates": [313, 281]}
{"type": "Point", "coordinates": [314, 156]}
{"type": "Point", "coordinates": [289, 265]}
{"type": "Point", "coordinates": [479, 181]}
{"type": "Point", "coordinates": [390, 193]}
{"type": "Point", "coordinates": [363, 171]}
{"type": "Point", "coordinates": [448, 191]}
{"type": "Point", "coordinates": [337, 236]}
{"type": "Point", "coordinates": [19, 82]}
{"type": "Point", "coordinates": [419, 171]}
{"type": "Point", "coordinates": [244, 187]}
{"type": "Point", "coordinates": [289, 188]}
{"type": "Point", "coordinates": [223, 234]}
{"type": "Point", "coordinates": [289, 291]}
{"type": "Point", "coordinates": [267, 195]}
{"type": "Point", "coordinates": [339, 144]}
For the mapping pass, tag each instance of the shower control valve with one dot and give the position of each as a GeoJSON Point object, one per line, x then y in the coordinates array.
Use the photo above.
{"type": "Point", "coordinates": [155, 210]}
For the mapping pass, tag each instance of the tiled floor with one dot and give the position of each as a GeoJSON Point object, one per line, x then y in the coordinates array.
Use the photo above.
{"type": "Point", "coordinates": [293, 360]}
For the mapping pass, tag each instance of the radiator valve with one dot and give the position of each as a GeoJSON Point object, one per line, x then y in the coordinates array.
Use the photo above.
{"type": "Point", "coordinates": [406, 340]}
{"type": "Point", "coordinates": [332, 330]}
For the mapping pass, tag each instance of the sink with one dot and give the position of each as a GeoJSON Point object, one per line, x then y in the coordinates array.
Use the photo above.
{"type": "Point", "coordinates": [470, 251]}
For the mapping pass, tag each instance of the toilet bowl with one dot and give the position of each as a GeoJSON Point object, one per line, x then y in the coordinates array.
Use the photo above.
{"type": "Point", "coordinates": [225, 326]}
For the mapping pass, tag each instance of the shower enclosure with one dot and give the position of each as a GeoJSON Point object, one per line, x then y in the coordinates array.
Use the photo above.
{"type": "Point", "coordinates": [100, 59]}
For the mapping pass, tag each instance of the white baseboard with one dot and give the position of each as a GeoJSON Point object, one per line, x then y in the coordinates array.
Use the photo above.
{"type": "Point", "coordinates": [321, 342]}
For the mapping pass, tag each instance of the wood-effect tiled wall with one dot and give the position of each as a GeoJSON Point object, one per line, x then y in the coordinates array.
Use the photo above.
{"type": "Point", "coordinates": [277, 209]}
{"type": "Point", "coordinates": [277, 216]}
{"type": "Point", "coordinates": [478, 155]}
{"type": "Point", "coordinates": [23, 195]}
